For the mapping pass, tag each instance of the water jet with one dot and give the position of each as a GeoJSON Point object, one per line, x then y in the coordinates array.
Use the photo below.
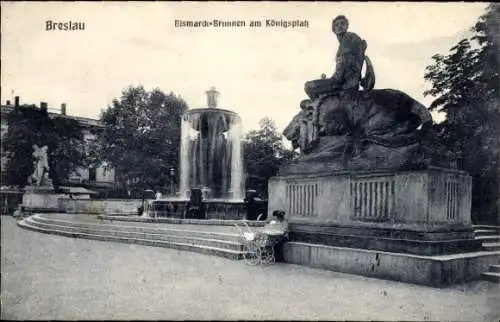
{"type": "Point", "coordinates": [211, 160]}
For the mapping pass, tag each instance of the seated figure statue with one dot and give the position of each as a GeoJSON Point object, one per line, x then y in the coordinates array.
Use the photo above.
{"type": "Point", "coordinates": [341, 127]}
{"type": "Point", "coordinates": [348, 65]}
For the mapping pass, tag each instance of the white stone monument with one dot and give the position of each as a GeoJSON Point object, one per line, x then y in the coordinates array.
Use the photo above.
{"type": "Point", "coordinates": [39, 194]}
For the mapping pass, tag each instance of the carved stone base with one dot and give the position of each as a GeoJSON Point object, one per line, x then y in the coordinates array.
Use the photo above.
{"type": "Point", "coordinates": [41, 199]}
{"type": "Point", "coordinates": [409, 242]}
{"type": "Point", "coordinates": [423, 212]}
{"type": "Point", "coordinates": [436, 271]}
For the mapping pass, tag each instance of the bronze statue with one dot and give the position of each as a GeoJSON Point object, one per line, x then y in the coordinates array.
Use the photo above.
{"type": "Point", "coordinates": [342, 127]}
{"type": "Point", "coordinates": [348, 64]}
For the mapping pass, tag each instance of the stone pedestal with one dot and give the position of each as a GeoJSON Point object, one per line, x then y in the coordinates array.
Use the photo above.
{"type": "Point", "coordinates": [398, 213]}
{"type": "Point", "coordinates": [40, 199]}
{"type": "Point", "coordinates": [420, 200]}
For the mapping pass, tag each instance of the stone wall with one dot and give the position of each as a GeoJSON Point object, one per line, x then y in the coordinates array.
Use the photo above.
{"type": "Point", "coordinates": [213, 210]}
{"type": "Point", "coordinates": [93, 206]}
{"type": "Point", "coordinates": [423, 212]}
{"type": "Point", "coordinates": [424, 270]}
{"type": "Point", "coordinates": [225, 211]}
{"type": "Point", "coordinates": [40, 200]}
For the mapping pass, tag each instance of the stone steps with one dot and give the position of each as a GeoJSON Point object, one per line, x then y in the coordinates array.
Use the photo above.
{"type": "Point", "coordinates": [489, 227]}
{"type": "Point", "coordinates": [488, 238]}
{"type": "Point", "coordinates": [488, 235]}
{"type": "Point", "coordinates": [491, 246]}
{"type": "Point", "coordinates": [485, 232]}
{"type": "Point", "coordinates": [169, 220]}
{"type": "Point", "coordinates": [494, 268]}
{"type": "Point", "coordinates": [137, 228]}
{"type": "Point", "coordinates": [491, 277]}
{"type": "Point", "coordinates": [493, 274]}
{"type": "Point", "coordinates": [142, 235]}
{"type": "Point", "coordinates": [225, 245]}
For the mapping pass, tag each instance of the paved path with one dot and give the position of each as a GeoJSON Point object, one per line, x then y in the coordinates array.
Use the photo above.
{"type": "Point", "coordinates": [52, 277]}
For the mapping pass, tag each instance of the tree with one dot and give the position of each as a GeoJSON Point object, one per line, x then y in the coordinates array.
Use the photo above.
{"type": "Point", "coordinates": [29, 125]}
{"type": "Point", "coordinates": [141, 136]}
{"type": "Point", "coordinates": [264, 153]}
{"type": "Point", "coordinates": [466, 86]}
{"type": "Point", "coordinates": [67, 149]}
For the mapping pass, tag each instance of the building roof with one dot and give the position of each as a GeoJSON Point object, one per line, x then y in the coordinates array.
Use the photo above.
{"type": "Point", "coordinates": [84, 121]}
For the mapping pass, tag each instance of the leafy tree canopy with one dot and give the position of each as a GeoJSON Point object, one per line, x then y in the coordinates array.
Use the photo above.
{"type": "Point", "coordinates": [141, 136]}
{"type": "Point", "coordinates": [264, 152]}
{"type": "Point", "coordinates": [29, 125]}
{"type": "Point", "coordinates": [465, 84]}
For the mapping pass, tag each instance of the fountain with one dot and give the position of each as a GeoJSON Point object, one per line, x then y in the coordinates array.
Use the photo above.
{"type": "Point", "coordinates": [211, 156]}
{"type": "Point", "coordinates": [211, 161]}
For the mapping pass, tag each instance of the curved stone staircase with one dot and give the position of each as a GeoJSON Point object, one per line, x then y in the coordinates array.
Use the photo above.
{"type": "Point", "coordinates": [490, 237]}
{"type": "Point", "coordinates": [221, 241]}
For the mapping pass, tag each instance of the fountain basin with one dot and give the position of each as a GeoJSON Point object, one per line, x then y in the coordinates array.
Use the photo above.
{"type": "Point", "coordinates": [222, 209]}
{"type": "Point", "coordinates": [211, 154]}
{"type": "Point", "coordinates": [200, 118]}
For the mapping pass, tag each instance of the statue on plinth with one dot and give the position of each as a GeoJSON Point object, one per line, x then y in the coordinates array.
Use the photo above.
{"type": "Point", "coordinates": [346, 124]}
{"type": "Point", "coordinates": [40, 176]}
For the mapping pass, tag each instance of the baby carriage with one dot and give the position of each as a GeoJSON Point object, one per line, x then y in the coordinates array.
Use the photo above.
{"type": "Point", "coordinates": [258, 247]}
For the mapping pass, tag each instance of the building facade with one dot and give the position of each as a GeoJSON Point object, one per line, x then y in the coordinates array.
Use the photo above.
{"type": "Point", "coordinates": [92, 177]}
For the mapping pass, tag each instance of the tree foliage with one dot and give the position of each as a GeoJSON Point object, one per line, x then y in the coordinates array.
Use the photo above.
{"type": "Point", "coordinates": [141, 136]}
{"type": "Point", "coordinates": [264, 153]}
{"type": "Point", "coordinates": [466, 86]}
{"type": "Point", "coordinates": [28, 125]}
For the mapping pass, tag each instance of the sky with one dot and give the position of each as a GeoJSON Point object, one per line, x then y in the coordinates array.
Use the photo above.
{"type": "Point", "coordinates": [259, 72]}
